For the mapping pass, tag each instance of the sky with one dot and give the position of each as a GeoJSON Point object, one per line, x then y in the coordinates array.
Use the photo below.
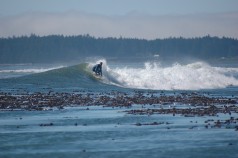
{"type": "Point", "coordinates": [148, 19]}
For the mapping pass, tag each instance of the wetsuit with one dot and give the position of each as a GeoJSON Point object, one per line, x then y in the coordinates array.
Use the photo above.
{"type": "Point", "coordinates": [98, 69]}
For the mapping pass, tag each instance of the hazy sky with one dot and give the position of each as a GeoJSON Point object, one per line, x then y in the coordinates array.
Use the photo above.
{"type": "Point", "coordinates": [128, 18]}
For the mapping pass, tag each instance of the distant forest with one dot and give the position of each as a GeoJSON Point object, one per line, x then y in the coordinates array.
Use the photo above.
{"type": "Point", "coordinates": [59, 48]}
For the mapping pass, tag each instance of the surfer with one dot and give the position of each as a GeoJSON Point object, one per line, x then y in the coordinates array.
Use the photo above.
{"type": "Point", "coordinates": [98, 69]}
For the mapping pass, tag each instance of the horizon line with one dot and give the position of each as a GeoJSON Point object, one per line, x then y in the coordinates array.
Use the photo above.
{"type": "Point", "coordinates": [121, 37]}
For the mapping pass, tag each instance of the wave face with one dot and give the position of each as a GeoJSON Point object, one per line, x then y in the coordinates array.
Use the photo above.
{"type": "Point", "coordinates": [151, 75]}
{"type": "Point", "coordinates": [193, 76]}
{"type": "Point", "coordinates": [67, 78]}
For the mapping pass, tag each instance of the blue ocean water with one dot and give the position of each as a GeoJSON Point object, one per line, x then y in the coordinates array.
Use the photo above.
{"type": "Point", "coordinates": [98, 131]}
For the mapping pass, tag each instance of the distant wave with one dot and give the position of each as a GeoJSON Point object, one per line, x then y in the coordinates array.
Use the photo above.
{"type": "Point", "coordinates": [37, 70]}
{"type": "Point", "coordinates": [17, 72]}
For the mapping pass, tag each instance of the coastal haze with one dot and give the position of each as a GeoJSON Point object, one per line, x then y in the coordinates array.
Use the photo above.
{"type": "Point", "coordinates": [110, 18]}
{"type": "Point", "coordinates": [169, 85]}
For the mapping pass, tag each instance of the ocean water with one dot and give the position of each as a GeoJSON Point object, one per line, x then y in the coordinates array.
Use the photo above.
{"type": "Point", "coordinates": [99, 131]}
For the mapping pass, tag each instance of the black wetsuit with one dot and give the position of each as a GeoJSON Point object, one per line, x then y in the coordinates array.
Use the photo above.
{"type": "Point", "coordinates": [98, 69]}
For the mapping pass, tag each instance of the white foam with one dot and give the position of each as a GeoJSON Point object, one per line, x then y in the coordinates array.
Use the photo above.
{"type": "Point", "coordinates": [195, 76]}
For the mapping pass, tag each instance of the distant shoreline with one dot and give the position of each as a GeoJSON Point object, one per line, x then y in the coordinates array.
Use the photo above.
{"type": "Point", "coordinates": [57, 48]}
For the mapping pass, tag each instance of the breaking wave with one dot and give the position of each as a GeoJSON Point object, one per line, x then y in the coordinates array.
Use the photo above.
{"type": "Point", "coordinates": [194, 76]}
{"type": "Point", "coordinates": [151, 75]}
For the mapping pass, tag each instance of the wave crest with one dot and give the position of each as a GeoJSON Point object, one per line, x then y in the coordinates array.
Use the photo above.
{"type": "Point", "coordinates": [195, 76]}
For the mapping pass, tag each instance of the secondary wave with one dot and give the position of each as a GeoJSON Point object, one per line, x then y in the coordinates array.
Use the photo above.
{"type": "Point", "coordinates": [18, 71]}
{"type": "Point", "coordinates": [37, 70]}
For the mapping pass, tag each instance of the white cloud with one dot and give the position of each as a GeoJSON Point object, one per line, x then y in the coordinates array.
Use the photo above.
{"type": "Point", "coordinates": [130, 25]}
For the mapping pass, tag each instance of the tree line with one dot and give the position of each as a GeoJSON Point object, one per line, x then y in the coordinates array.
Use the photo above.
{"type": "Point", "coordinates": [59, 48]}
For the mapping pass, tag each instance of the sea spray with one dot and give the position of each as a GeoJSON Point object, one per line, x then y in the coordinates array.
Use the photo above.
{"type": "Point", "coordinates": [194, 76]}
{"type": "Point", "coordinates": [109, 75]}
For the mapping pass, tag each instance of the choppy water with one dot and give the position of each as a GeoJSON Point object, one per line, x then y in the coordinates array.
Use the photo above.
{"type": "Point", "coordinates": [110, 132]}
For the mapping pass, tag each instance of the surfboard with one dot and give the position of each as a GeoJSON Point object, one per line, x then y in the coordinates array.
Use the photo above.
{"type": "Point", "coordinates": [97, 76]}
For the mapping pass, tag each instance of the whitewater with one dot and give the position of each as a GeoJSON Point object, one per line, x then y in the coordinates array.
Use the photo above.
{"type": "Point", "coordinates": [193, 76]}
